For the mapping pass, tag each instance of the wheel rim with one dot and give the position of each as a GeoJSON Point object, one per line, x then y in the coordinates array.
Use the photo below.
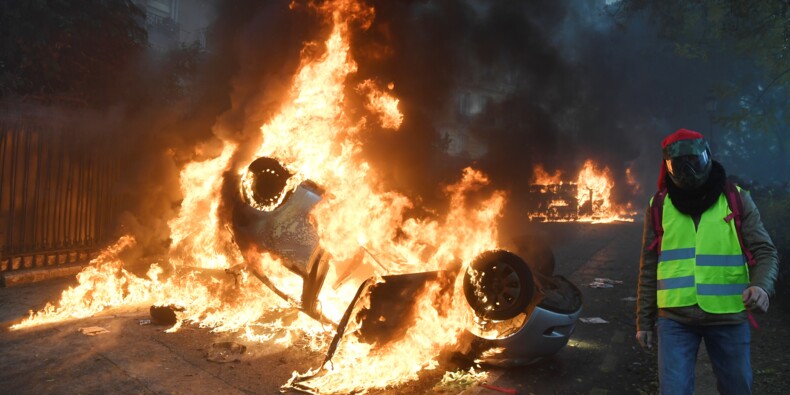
{"type": "Point", "coordinates": [498, 285]}
{"type": "Point", "coordinates": [502, 288]}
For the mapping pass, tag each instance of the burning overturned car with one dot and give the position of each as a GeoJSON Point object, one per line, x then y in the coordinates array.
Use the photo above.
{"type": "Point", "coordinates": [522, 312]}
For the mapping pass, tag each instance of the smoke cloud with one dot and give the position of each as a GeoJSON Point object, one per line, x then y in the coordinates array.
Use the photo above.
{"type": "Point", "coordinates": [501, 86]}
{"type": "Point", "coordinates": [508, 85]}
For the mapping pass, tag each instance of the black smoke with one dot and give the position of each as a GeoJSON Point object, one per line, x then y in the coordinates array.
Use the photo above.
{"type": "Point", "coordinates": [562, 82]}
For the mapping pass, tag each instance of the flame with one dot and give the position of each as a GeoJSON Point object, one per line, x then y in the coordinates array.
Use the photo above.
{"type": "Point", "coordinates": [316, 138]}
{"type": "Point", "coordinates": [542, 177]}
{"type": "Point", "coordinates": [593, 188]}
{"type": "Point", "coordinates": [358, 366]}
{"type": "Point", "coordinates": [382, 103]}
{"type": "Point", "coordinates": [118, 288]}
{"type": "Point", "coordinates": [196, 239]}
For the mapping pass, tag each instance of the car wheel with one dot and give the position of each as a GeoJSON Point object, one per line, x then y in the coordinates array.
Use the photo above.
{"type": "Point", "coordinates": [268, 183]}
{"type": "Point", "coordinates": [498, 285]}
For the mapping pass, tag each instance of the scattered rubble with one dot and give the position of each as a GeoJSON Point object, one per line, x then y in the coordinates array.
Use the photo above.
{"type": "Point", "coordinates": [593, 320]}
{"type": "Point", "coordinates": [225, 352]}
{"type": "Point", "coordinates": [500, 389]}
{"type": "Point", "coordinates": [459, 380]}
{"type": "Point", "coordinates": [164, 315]}
{"type": "Point", "coordinates": [600, 282]}
{"type": "Point", "coordinates": [629, 299]}
{"type": "Point", "coordinates": [93, 330]}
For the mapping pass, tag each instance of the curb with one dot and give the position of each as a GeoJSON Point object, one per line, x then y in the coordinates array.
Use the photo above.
{"type": "Point", "coordinates": [27, 276]}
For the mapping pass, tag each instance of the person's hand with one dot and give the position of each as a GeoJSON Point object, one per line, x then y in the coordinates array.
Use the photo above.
{"type": "Point", "coordinates": [645, 339]}
{"type": "Point", "coordinates": [755, 298]}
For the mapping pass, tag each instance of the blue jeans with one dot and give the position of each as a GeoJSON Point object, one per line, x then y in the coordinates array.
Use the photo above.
{"type": "Point", "coordinates": [728, 349]}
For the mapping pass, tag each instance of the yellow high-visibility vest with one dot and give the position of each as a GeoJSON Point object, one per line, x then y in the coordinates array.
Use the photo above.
{"type": "Point", "coordinates": [703, 266]}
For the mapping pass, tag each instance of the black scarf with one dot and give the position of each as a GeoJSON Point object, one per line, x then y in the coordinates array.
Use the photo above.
{"type": "Point", "coordinates": [695, 202]}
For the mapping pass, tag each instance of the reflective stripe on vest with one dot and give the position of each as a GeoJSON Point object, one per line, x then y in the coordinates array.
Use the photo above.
{"type": "Point", "coordinates": [704, 266]}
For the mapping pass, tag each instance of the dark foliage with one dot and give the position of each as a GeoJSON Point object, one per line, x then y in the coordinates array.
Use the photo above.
{"type": "Point", "coordinates": [752, 104]}
{"type": "Point", "coordinates": [73, 49]}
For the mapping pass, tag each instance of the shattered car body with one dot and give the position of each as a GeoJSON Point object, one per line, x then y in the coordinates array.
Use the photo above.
{"type": "Point", "coordinates": [523, 312]}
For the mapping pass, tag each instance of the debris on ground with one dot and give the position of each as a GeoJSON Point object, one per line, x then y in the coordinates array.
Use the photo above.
{"type": "Point", "coordinates": [593, 320]}
{"type": "Point", "coordinates": [500, 389]}
{"type": "Point", "coordinates": [224, 352]}
{"type": "Point", "coordinates": [629, 299]}
{"type": "Point", "coordinates": [144, 322]}
{"type": "Point", "coordinates": [164, 315]}
{"type": "Point", "coordinates": [601, 282]}
{"type": "Point", "coordinates": [459, 380]}
{"type": "Point", "coordinates": [93, 330]}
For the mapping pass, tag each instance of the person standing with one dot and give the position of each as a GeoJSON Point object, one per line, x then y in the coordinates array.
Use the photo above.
{"type": "Point", "coordinates": [695, 283]}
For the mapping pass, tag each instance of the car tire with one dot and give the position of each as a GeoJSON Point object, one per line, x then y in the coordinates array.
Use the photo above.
{"type": "Point", "coordinates": [498, 285]}
{"type": "Point", "coordinates": [269, 179]}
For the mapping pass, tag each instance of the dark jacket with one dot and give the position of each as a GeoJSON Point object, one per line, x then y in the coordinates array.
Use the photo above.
{"type": "Point", "coordinates": [763, 274]}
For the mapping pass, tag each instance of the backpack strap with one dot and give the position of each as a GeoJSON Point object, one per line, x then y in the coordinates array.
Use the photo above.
{"type": "Point", "coordinates": [736, 207]}
{"type": "Point", "coordinates": [656, 215]}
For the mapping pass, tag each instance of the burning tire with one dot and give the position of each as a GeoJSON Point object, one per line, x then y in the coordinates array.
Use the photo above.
{"type": "Point", "coordinates": [267, 179]}
{"type": "Point", "coordinates": [498, 285]}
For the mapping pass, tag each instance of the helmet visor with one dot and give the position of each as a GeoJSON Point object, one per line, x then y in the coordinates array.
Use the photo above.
{"type": "Point", "coordinates": [696, 164]}
{"type": "Point", "coordinates": [688, 162]}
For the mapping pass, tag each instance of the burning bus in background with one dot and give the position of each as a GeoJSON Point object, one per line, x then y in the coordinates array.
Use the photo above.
{"type": "Point", "coordinates": [586, 199]}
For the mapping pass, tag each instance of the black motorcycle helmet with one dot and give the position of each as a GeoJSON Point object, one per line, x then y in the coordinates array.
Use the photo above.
{"type": "Point", "coordinates": [688, 162]}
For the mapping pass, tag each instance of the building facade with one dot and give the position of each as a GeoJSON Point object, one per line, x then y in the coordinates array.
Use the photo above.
{"type": "Point", "coordinates": [174, 23]}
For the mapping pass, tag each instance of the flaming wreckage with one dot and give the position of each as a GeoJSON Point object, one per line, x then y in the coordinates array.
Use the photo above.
{"type": "Point", "coordinates": [522, 311]}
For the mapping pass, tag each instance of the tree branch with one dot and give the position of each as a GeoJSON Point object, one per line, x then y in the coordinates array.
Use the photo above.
{"type": "Point", "coordinates": [771, 84]}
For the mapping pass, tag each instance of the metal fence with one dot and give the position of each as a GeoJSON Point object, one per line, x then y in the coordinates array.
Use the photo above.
{"type": "Point", "coordinates": [56, 192]}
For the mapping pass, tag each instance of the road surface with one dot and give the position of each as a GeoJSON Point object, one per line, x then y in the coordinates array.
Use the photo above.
{"type": "Point", "coordinates": [142, 359]}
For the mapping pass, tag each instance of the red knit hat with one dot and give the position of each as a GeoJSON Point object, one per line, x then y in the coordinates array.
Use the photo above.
{"type": "Point", "coordinates": [680, 134]}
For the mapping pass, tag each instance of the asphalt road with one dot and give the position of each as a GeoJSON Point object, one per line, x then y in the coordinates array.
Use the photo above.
{"type": "Point", "coordinates": [142, 359]}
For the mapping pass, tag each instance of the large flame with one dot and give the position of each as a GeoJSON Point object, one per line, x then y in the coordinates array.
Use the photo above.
{"type": "Point", "coordinates": [314, 136]}
{"type": "Point", "coordinates": [592, 200]}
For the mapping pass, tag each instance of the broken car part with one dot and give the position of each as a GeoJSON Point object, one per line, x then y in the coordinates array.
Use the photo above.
{"type": "Point", "coordinates": [522, 314]}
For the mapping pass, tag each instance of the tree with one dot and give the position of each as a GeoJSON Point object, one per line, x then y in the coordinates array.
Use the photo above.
{"type": "Point", "coordinates": [755, 32]}
{"type": "Point", "coordinates": [67, 48]}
